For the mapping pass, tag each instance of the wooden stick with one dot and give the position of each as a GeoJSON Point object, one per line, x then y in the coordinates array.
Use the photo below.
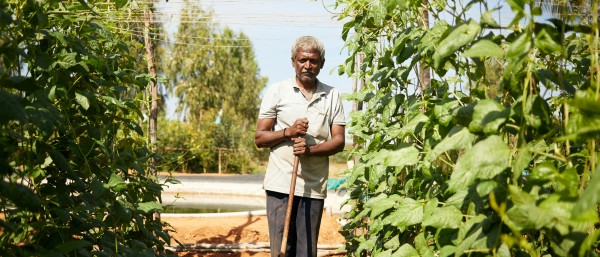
{"type": "Point", "coordinates": [288, 213]}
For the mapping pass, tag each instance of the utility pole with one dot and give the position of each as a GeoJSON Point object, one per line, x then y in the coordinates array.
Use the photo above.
{"type": "Point", "coordinates": [153, 85]}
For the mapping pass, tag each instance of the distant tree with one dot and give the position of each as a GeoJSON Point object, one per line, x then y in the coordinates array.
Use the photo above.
{"type": "Point", "coordinates": [215, 77]}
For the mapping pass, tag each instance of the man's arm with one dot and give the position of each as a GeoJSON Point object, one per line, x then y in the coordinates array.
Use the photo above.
{"type": "Point", "coordinates": [265, 137]}
{"type": "Point", "coordinates": [327, 148]}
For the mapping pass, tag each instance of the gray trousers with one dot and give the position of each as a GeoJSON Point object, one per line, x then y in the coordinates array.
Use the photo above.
{"type": "Point", "coordinates": [304, 224]}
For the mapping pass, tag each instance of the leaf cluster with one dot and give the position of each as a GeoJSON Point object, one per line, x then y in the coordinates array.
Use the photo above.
{"type": "Point", "coordinates": [73, 159]}
{"type": "Point", "coordinates": [498, 157]}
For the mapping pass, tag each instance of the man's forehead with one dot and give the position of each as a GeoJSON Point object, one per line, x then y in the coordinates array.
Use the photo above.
{"type": "Point", "coordinates": [308, 53]}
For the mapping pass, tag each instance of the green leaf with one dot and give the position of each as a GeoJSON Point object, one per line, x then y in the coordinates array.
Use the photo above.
{"type": "Point", "coordinates": [457, 38]}
{"type": "Point", "coordinates": [393, 243]}
{"type": "Point", "coordinates": [520, 46]}
{"type": "Point", "coordinates": [590, 198]}
{"type": "Point", "coordinates": [543, 172]}
{"type": "Point", "coordinates": [116, 183]}
{"type": "Point", "coordinates": [457, 200]}
{"type": "Point", "coordinates": [545, 41]}
{"type": "Point", "coordinates": [407, 155]}
{"type": "Point", "coordinates": [527, 216]}
{"type": "Point", "coordinates": [484, 48]}
{"type": "Point", "coordinates": [486, 187]}
{"type": "Point", "coordinates": [586, 102]}
{"type": "Point", "coordinates": [149, 207]}
{"type": "Point", "coordinates": [488, 19]}
{"type": "Point", "coordinates": [522, 161]}
{"type": "Point", "coordinates": [444, 217]}
{"type": "Point", "coordinates": [488, 116]}
{"type": "Point", "coordinates": [380, 205]}
{"type": "Point", "coordinates": [517, 5]}
{"type": "Point", "coordinates": [473, 164]}
{"type": "Point", "coordinates": [409, 212]}
{"type": "Point", "coordinates": [519, 196]}
{"type": "Point", "coordinates": [457, 139]}
{"type": "Point", "coordinates": [443, 111]}
{"type": "Point", "coordinates": [367, 245]}
{"type": "Point", "coordinates": [582, 127]}
{"type": "Point", "coordinates": [66, 60]}
{"type": "Point", "coordinates": [406, 250]}
{"type": "Point", "coordinates": [588, 244]}
{"type": "Point", "coordinates": [412, 127]}
{"type": "Point", "coordinates": [82, 100]}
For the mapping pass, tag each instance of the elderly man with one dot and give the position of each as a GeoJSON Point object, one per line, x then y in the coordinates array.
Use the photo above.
{"type": "Point", "coordinates": [300, 117]}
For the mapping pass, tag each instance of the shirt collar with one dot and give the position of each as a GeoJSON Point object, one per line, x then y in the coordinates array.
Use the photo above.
{"type": "Point", "coordinates": [319, 91]}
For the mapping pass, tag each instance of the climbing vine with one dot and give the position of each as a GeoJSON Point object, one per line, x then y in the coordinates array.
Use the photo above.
{"type": "Point", "coordinates": [498, 155]}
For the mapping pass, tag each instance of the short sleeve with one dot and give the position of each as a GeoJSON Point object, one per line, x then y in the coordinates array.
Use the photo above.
{"type": "Point", "coordinates": [268, 105]}
{"type": "Point", "coordinates": [337, 115]}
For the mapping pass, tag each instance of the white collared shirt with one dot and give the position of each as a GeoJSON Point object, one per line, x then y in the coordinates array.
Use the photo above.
{"type": "Point", "coordinates": [285, 102]}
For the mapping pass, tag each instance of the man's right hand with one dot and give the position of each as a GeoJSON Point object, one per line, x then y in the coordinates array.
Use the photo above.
{"type": "Point", "coordinates": [299, 128]}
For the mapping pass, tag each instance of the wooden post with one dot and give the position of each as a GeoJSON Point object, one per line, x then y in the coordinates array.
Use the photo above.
{"type": "Point", "coordinates": [424, 71]}
{"type": "Point", "coordinates": [219, 159]}
{"type": "Point", "coordinates": [153, 85]}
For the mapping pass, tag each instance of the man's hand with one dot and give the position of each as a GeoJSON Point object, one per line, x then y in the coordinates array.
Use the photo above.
{"type": "Point", "coordinates": [300, 146]}
{"type": "Point", "coordinates": [298, 129]}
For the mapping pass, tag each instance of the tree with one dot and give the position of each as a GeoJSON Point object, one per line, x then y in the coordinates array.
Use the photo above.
{"type": "Point", "coordinates": [217, 80]}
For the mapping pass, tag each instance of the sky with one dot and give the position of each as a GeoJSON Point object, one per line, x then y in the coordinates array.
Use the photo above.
{"type": "Point", "coordinates": [272, 26]}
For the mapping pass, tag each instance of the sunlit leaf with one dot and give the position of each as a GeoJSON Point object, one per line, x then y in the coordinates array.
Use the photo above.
{"type": "Point", "coordinates": [82, 100]}
{"type": "Point", "coordinates": [458, 138]}
{"type": "Point", "coordinates": [408, 212]}
{"type": "Point", "coordinates": [520, 46]}
{"type": "Point", "coordinates": [406, 250]}
{"type": "Point", "coordinates": [444, 217]}
{"type": "Point", "coordinates": [149, 207]}
{"type": "Point", "coordinates": [473, 164]}
{"type": "Point", "coordinates": [484, 48]}
{"type": "Point", "coordinates": [457, 38]}
{"type": "Point", "coordinates": [116, 183]}
{"type": "Point", "coordinates": [590, 198]}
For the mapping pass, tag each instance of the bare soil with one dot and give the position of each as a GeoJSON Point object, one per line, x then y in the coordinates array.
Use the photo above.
{"type": "Point", "coordinates": [238, 230]}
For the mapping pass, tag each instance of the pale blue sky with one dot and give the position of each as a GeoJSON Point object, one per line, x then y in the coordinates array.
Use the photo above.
{"type": "Point", "coordinates": [272, 26]}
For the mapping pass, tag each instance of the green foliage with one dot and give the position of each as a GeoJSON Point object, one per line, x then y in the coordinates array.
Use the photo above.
{"type": "Point", "coordinates": [213, 73]}
{"type": "Point", "coordinates": [498, 157]}
{"type": "Point", "coordinates": [73, 159]}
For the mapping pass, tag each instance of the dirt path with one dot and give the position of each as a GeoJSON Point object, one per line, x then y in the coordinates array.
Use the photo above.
{"type": "Point", "coordinates": [242, 229]}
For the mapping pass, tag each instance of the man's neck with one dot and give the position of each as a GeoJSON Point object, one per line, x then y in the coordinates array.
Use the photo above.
{"type": "Point", "coordinates": [311, 86]}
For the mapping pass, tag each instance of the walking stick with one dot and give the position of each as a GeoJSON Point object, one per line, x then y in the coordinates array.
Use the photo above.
{"type": "Point", "coordinates": [288, 213]}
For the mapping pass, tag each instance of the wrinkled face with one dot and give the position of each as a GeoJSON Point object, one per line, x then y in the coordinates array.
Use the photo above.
{"type": "Point", "coordinates": [307, 65]}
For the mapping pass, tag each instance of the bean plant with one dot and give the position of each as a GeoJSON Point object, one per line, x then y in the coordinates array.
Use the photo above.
{"type": "Point", "coordinates": [498, 154]}
{"type": "Point", "coordinates": [73, 158]}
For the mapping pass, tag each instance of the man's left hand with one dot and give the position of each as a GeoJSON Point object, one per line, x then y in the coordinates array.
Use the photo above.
{"type": "Point", "coordinates": [300, 146]}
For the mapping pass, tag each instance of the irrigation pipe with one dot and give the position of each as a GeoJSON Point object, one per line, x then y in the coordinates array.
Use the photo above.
{"type": "Point", "coordinates": [215, 215]}
{"type": "Point", "coordinates": [323, 249]}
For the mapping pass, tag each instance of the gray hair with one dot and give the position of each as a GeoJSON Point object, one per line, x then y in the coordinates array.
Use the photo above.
{"type": "Point", "coordinates": [308, 43]}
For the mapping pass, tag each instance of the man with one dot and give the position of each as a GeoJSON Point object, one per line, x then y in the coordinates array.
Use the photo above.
{"type": "Point", "coordinates": [299, 117]}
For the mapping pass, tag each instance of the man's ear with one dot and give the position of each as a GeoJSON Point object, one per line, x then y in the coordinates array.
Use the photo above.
{"type": "Point", "coordinates": [322, 63]}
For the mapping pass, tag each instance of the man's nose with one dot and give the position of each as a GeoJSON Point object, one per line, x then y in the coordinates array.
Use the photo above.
{"type": "Point", "coordinates": [307, 65]}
